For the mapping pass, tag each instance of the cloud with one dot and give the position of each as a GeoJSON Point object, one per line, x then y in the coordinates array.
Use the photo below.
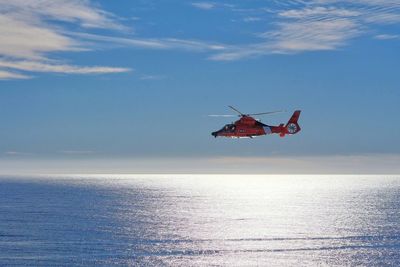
{"type": "Point", "coordinates": [299, 26]}
{"type": "Point", "coordinates": [192, 44]}
{"type": "Point", "coordinates": [386, 36]}
{"type": "Point", "coordinates": [319, 12]}
{"type": "Point", "coordinates": [312, 35]}
{"type": "Point", "coordinates": [251, 19]}
{"type": "Point", "coordinates": [23, 39]}
{"type": "Point", "coordinates": [80, 12]}
{"type": "Point", "coordinates": [156, 43]}
{"type": "Point", "coordinates": [212, 5]}
{"type": "Point", "coordinates": [9, 75]}
{"type": "Point", "coordinates": [31, 30]}
{"type": "Point", "coordinates": [204, 5]}
{"type": "Point", "coordinates": [35, 66]}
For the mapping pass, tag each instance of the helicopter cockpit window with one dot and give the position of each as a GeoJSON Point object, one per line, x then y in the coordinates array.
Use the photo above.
{"type": "Point", "coordinates": [229, 128]}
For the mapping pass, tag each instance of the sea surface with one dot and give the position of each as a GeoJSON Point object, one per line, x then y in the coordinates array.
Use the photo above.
{"type": "Point", "coordinates": [200, 220]}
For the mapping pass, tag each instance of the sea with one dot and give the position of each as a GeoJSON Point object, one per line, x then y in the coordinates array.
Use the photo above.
{"type": "Point", "coordinates": [200, 220]}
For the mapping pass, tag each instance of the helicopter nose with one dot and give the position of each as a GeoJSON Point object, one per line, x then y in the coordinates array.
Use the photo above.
{"type": "Point", "coordinates": [214, 134]}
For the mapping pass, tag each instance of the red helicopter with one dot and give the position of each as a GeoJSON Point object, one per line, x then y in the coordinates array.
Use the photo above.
{"type": "Point", "coordinates": [248, 127]}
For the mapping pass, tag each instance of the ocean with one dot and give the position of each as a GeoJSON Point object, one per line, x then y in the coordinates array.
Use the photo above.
{"type": "Point", "coordinates": [200, 220]}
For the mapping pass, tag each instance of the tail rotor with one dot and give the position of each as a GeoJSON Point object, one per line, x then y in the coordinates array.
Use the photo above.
{"type": "Point", "coordinates": [292, 126]}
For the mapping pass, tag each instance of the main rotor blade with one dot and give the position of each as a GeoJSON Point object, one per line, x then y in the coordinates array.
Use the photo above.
{"type": "Point", "coordinates": [266, 113]}
{"type": "Point", "coordinates": [215, 115]}
{"type": "Point", "coordinates": [237, 110]}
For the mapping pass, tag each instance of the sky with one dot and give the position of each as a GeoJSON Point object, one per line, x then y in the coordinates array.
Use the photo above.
{"type": "Point", "coordinates": [127, 85]}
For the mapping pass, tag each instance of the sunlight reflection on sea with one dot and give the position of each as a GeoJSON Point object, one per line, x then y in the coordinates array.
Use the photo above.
{"type": "Point", "coordinates": [197, 220]}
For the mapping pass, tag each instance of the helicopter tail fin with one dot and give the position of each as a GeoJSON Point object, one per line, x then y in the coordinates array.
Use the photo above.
{"type": "Point", "coordinates": [292, 126]}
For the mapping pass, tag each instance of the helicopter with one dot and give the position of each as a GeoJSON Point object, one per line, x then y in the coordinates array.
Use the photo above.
{"type": "Point", "coordinates": [248, 127]}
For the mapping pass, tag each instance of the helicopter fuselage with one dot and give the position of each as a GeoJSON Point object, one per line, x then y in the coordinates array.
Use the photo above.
{"type": "Point", "coordinates": [248, 127]}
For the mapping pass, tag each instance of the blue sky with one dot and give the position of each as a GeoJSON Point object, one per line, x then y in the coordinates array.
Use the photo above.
{"type": "Point", "coordinates": [84, 80]}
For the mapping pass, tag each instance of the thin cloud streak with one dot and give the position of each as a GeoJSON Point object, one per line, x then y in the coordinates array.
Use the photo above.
{"type": "Point", "coordinates": [27, 37]}
{"type": "Point", "coordinates": [34, 66]}
{"type": "Point", "coordinates": [154, 43]}
{"type": "Point", "coordinates": [204, 5]}
{"type": "Point", "coordinates": [9, 75]}
{"type": "Point", "coordinates": [387, 36]}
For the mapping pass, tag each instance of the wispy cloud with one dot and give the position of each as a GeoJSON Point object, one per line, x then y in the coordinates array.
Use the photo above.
{"type": "Point", "coordinates": [318, 12]}
{"type": "Point", "coordinates": [311, 35]}
{"type": "Point", "coordinates": [204, 5]}
{"type": "Point", "coordinates": [30, 31]}
{"type": "Point", "coordinates": [35, 66]}
{"type": "Point", "coordinates": [212, 5]}
{"type": "Point", "coordinates": [300, 26]}
{"type": "Point", "coordinates": [387, 36]}
{"type": "Point", "coordinates": [8, 75]}
{"type": "Point", "coordinates": [74, 11]}
{"type": "Point", "coordinates": [252, 19]}
{"type": "Point", "coordinates": [156, 43]}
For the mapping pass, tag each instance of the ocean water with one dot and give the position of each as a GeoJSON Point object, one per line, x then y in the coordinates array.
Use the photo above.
{"type": "Point", "coordinates": [200, 220]}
